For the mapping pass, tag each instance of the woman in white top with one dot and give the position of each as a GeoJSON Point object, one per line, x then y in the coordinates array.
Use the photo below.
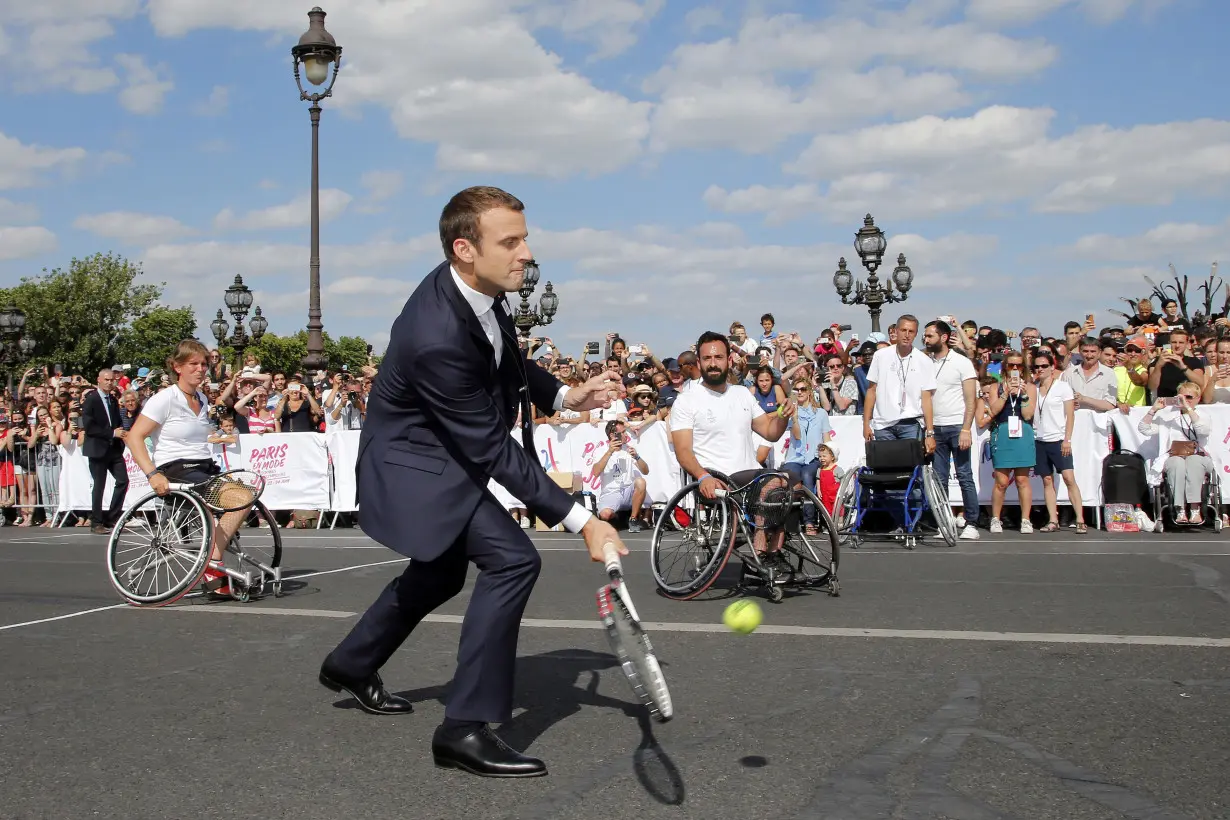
{"type": "Point", "coordinates": [1186, 439]}
{"type": "Point", "coordinates": [1217, 374]}
{"type": "Point", "coordinates": [177, 419]}
{"type": "Point", "coordinates": [1053, 419]}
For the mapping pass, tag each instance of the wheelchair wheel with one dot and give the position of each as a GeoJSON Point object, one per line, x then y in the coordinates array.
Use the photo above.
{"type": "Point", "coordinates": [692, 541]}
{"type": "Point", "coordinates": [815, 557]}
{"type": "Point", "coordinates": [845, 509]}
{"type": "Point", "coordinates": [256, 551]}
{"type": "Point", "coordinates": [159, 548]}
{"type": "Point", "coordinates": [937, 502]}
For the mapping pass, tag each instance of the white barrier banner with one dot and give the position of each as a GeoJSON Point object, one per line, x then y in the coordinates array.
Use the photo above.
{"type": "Point", "coordinates": [1156, 449]}
{"type": "Point", "coordinates": [295, 467]}
{"type": "Point", "coordinates": [343, 447]}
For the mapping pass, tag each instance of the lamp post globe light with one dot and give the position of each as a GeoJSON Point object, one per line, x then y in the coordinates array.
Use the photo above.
{"type": "Point", "coordinates": [870, 244]}
{"type": "Point", "coordinates": [315, 52]}
{"type": "Point", "coordinates": [15, 347]}
{"type": "Point", "coordinates": [525, 317]}
{"type": "Point", "coordinates": [239, 301]}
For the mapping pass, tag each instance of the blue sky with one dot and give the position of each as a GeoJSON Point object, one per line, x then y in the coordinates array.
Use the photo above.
{"type": "Point", "coordinates": [683, 164]}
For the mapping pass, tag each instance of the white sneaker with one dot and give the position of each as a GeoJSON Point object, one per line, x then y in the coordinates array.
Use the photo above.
{"type": "Point", "coordinates": [997, 526]}
{"type": "Point", "coordinates": [969, 534]}
{"type": "Point", "coordinates": [1027, 527]}
{"type": "Point", "coordinates": [961, 521]}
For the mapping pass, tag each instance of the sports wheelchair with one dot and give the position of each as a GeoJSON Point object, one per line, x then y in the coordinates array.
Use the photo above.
{"type": "Point", "coordinates": [896, 478]}
{"type": "Point", "coordinates": [694, 538]}
{"type": "Point", "coordinates": [159, 549]}
{"type": "Point", "coordinates": [1210, 505]}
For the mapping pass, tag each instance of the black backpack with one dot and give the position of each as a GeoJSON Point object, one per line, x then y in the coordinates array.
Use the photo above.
{"type": "Point", "coordinates": [1125, 478]}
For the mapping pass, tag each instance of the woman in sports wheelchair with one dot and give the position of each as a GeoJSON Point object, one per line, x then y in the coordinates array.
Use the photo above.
{"type": "Point", "coordinates": [1183, 434]}
{"type": "Point", "coordinates": [184, 542]}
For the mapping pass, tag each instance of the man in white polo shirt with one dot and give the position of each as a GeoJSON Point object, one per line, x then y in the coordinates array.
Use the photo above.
{"type": "Point", "coordinates": [712, 426]}
{"type": "Point", "coordinates": [900, 386]}
{"type": "Point", "coordinates": [956, 386]}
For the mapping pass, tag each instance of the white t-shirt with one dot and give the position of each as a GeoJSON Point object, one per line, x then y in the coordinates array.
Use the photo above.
{"type": "Point", "coordinates": [900, 383]}
{"type": "Point", "coordinates": [951, 373]}
{"type": "Point", "coordinates": [620, 471]}
{"type": "Point", "coordinates": [1050, 421]}
{"type": "Point", "coordinates": [181, 433]}
{"type": "Point", "coordinates": [721, 425]}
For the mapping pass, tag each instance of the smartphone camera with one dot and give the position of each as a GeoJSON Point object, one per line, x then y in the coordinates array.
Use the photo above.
{"type": "Point", "coordinates": [845, 328]}
{"type": "Point", "coordinates": [592, 348]}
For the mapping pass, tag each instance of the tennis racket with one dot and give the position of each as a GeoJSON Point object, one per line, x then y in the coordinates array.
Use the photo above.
{"type": "Point", "coordinates": [629, 641]}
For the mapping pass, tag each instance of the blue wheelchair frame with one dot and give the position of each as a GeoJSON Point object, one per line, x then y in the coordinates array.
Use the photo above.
{"type": "Point", "coordinates": [898, 480]}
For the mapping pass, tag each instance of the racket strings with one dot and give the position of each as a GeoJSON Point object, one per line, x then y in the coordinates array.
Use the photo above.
{"type": "Point", "coordinates": [232, 491]}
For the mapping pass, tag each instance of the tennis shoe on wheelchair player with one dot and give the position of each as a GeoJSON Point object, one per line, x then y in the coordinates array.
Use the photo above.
{"type": "Point", "coordinates": [215, 580]}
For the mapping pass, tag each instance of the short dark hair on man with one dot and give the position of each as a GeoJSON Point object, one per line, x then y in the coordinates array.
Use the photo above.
{"type": "Point", "coordinates": [686, 357]}
{"type": "Point", "coordinates": [459, 219]}
{"type": "Point", "coordinates": [768, 316]}
{"type": "Point", "coordinates": [941, 327]}
{"type": "Point", "coordinates": [1072, 326]}
{"type": "Point", "coordinates": [612, 426]}
{"type": "Point", "coordinates": [1089, 341]}
{"type": "Point", "coordinates": [709, 336]}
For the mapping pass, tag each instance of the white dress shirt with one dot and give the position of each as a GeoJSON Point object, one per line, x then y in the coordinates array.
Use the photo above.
{"type": "Point", "coordinates": [483, 307]}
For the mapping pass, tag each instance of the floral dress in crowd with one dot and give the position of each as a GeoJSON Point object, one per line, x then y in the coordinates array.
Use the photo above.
{"type": "Point", "coordinates": [47, 465]}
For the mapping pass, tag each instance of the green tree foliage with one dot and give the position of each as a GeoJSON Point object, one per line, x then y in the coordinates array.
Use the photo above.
{"type": "Point", "coordinates": [151, 339]}
{"type": "Point", "coordinates": [284, 353]}
{"type": "Point", "coordinates": [86, 316]}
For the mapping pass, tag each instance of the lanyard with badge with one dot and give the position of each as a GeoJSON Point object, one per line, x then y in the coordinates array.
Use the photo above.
{"type": "Point", "coordinates": [1016, 425]}
{"type": "Point", "coordinates": [904, 370]}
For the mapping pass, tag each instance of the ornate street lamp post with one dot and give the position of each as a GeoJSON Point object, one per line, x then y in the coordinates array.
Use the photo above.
{"type": "Point", "coordinates": [316, 51]}
{"type": "Point", "coordinates": [525, 317]}
{"type": "Point", "coordinates": [239, 302]}
{"type": "Point", "coordinates": [870, 244]}
{"type": "Point", "coordinates": [14, 346]}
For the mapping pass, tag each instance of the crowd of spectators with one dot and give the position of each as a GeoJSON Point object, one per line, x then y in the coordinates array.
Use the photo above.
{"type": "Point", "coordinates": [1023, 386]}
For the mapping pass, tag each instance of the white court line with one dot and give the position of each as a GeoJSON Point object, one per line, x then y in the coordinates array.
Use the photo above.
{"type": "Point", "coordinates": [856, 632]}
{"type": "Point", "coordinates": [192, 595]}
{"type": "Point", "coordinates": [227, 609]}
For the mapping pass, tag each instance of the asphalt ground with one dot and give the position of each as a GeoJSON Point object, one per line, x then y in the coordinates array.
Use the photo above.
{"type": "Point", "coordinates": [1050, 676]}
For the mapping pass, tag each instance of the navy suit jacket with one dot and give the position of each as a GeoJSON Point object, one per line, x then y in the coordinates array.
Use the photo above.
{"type": "Point", "coordinates": [438, 426]}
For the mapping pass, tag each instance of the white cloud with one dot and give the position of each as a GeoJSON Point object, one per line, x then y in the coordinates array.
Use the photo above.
{"type": "Point", "coordinates": [267, 184]}
{"type": "Point", "coordinates": [50, 43]}
{"type": "Point", "coordinates": [784, 75]}
{"type": "Point", "coordinates": [216, 104]}
{"type": "Point", "coordinates": [293, 214]}
{"type": "Point", "coordinates": [132, 228]}
{"type": "Point", "coordinates": [22, 165]}
{"type": "Point", "coordinates": [146, 85]}
{"type": "Point", "coordinates": [1178, 241]}
{"type": "Point", "coordinates": [1021, 12]}
{"type": "Point", "coordinates": [501, 103]}
{"type": "Point", "coordinates": [381, 187]}
{"type": "Point", "coordinates": [24, 242]}
{"type": "Point", "coordinates": [933, 165]}
{"type": "Point", "coordinates": [16, 213]}
{"type": "Point", "coordinates": [703, 17]}
{"type": "Point", "coordinates": [610, 25]}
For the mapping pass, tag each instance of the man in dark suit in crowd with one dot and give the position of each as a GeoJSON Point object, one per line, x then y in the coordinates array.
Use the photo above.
{"type": "Point", "coordinates": [437, 432]}
{"type": "Point", "coordinates": [104, 448]}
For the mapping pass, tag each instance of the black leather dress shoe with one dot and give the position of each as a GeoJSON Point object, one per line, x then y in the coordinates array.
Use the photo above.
{"type": "Point", "coordinates": [370, 693]}
{"type": "Point", "coordinates": [483, 753]}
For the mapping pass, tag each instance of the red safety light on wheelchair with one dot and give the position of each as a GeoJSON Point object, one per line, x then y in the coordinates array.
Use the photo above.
{"type": "Point", "coordinates": [681, 517]}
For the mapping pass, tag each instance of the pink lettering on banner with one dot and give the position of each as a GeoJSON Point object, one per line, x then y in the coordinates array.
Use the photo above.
{"type": "Point", "coordinates": [589, 456]}
{"type": "Point", "coordinates": [270, 463]}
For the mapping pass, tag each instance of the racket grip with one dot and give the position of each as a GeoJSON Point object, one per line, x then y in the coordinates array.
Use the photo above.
{"type": "Point", "coordinates": [610, 557]}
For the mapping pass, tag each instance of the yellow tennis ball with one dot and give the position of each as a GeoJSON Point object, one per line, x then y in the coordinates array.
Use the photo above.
{"type": "Point", "coordinates": [742, 617]}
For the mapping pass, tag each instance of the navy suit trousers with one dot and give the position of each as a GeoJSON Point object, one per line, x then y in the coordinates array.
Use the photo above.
{"type": "Point", "coordinates": [508, 565]}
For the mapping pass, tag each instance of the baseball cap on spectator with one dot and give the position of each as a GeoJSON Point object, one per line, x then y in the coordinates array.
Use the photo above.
{"type": "Point", "coordinates": [671, 365]}
{"type": "Point", "coordinates": [1139, 342]}
{"type": "Point", "coordinates": [868, 348]}
{"type": "Point", "coordinates": [877, 337]}
{"type": "Point", "coordinates": [143, 372]}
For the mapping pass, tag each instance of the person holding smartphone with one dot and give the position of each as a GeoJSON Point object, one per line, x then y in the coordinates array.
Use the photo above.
{"type": "Point", "coordinates": [1183, 434]}
{"type": "Point", "coordinates": [297, 410]}
{"type": "Point", "coordinates": [1010, 404]}
{"type": "Point", "coordinates": [1217, 375]}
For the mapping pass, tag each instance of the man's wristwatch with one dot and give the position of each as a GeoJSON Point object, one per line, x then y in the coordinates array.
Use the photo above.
{"type": "Point", "coordinates": [930, 434]}
{"type": "Point", "coordinates": [152, 473]}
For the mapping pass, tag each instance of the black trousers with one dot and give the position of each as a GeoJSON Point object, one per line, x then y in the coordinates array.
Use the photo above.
{"type": "Point", "coordinates": [99, 468]}
{"type": "Point", "coordinates": [508, 565]}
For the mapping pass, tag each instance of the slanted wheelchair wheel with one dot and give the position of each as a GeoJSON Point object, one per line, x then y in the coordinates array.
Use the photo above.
{"type": "Point", "coordinates": [159, 548]}
{"type": "Point", "coordinates": [815, 557]}
{"type": "Point", "coordinates": [692, 541]}
{"type": "Point", "coordinates": [256, 551]}
{"type": "Point", "coordinates": [845, 509]}
{"type": "Point", "coordinates": [937, 502]}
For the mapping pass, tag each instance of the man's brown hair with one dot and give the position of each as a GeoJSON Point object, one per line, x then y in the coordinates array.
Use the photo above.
{"type": "Point", "coordinates": [459, 219]}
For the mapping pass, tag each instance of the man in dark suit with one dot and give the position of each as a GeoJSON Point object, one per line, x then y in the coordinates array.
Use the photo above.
{"type": "Point", "coordinates": [437, 432]}
{"type": "Point", "coordinates": [104, 448]}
